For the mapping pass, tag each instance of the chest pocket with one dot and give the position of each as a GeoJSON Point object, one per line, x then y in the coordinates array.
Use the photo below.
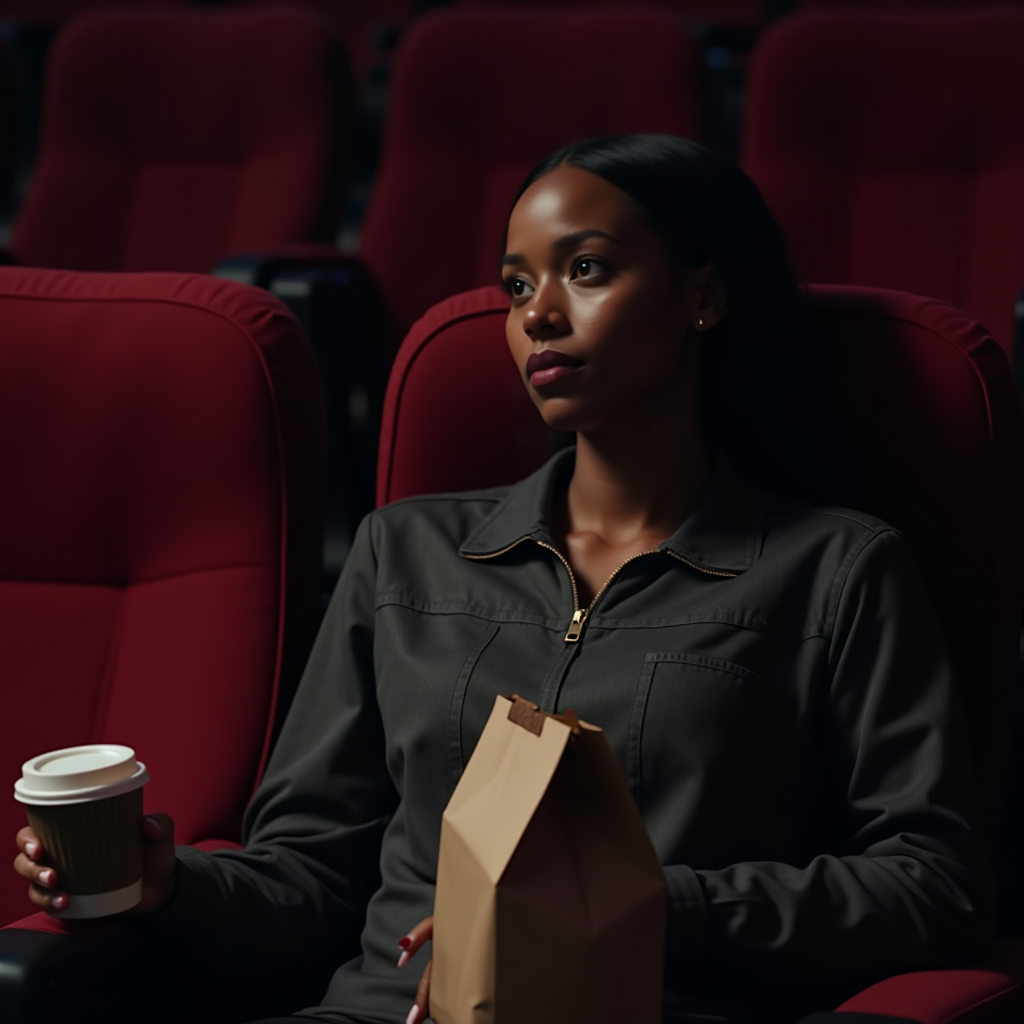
{"type": "Point", "coordinates": [702, 733]}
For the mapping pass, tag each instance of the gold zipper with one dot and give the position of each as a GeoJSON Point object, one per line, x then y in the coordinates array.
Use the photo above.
{"type": "Point", "coordinates": [579, 615]}
{"type": "Point", "coordinates": [700, 568]}
{"type": "Point", "coordinates": [494, 554]}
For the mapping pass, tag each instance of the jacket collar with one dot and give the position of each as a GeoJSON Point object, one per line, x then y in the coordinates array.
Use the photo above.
{"type": "Point", "coordinates": [723, 532]}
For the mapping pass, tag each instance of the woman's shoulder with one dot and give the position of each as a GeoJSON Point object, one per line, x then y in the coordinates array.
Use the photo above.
{"type": "Point", "coordinates": [432, 518]}
{"type": "Point", "coordinates": [835, 538]}
{"type": "Point", "coordinates": [839, 520]}
{"type": "Point", "coordinates": [784, 528]}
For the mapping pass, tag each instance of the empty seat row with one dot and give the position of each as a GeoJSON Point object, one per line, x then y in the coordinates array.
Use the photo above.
{"type": "Point", "coordinates": [234, 134]}
{"type": "Point", "coordinates": [890, 146]}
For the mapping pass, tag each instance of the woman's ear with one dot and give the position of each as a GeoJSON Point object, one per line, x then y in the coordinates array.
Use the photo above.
{"type": "Point", "coordinates": [711, 305]}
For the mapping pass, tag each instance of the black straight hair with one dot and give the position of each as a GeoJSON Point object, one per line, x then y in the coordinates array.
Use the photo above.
{"type": "Point", "coordinates": [763, 376]}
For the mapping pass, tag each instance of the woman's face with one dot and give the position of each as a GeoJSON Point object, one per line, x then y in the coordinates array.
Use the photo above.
{"type": "Point", "coordinates": [602, 326]}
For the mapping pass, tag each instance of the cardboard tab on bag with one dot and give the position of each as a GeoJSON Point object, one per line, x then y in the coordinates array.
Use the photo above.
{"type": "Point", "coordinates": [550, 903]}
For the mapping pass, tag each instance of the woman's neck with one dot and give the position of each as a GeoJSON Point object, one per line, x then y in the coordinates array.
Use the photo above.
{"type": "Point", "coordinates": [636, 484]}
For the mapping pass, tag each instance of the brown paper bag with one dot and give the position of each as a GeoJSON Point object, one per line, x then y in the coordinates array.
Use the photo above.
{"type": "Point", "coordinates": [550, 904]}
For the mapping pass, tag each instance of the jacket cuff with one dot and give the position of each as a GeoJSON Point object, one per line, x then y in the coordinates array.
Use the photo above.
{"type": "Point", "coordinates": [686, 925]}
{"type": "Point", "coordinates": [192, 896]}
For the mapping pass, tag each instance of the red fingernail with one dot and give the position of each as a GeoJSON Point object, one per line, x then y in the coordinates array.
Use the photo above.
{"type": "Point", "coordinates": [405, 943]}
{"type": "Point", "coordinates": [31, 849]}
{"type": "Point", "coordinates": [59, 902]}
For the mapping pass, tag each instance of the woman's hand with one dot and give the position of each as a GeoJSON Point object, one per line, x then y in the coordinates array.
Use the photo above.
{"type": "Point", "coordinates": [159, 872]}
{"type": "Point", "coordinates": [411, 945]}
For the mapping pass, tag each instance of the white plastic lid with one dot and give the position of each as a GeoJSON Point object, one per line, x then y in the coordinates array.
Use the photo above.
{"type": "Point", "coordinates": [79, 774]}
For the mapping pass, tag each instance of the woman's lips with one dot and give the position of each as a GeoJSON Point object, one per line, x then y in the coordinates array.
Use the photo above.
{"type": "Point", "coordinates": [549, 365]}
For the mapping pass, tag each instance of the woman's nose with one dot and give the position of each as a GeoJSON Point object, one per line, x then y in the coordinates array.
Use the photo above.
{"type": "Point", "coordinates": [545, 320]}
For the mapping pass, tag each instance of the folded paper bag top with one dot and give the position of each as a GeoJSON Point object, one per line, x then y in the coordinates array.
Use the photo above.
{"type": "Point", "coordinates": [550, 903]}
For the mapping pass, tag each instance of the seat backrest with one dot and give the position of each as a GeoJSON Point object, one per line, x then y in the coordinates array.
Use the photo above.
{"type": "Point", "coordinates": [161, 443]}
{"type": "Point", "coordinates": [714, 11]}
{"type": "Point", "coordinates": [477, 99]}
{"type": "Point", "coordinates": [935, 431]}
{"type": "Point", "coordinates": [51, 12]}
{"type": "Point", "coordinates": [172, 139]}
{"type": "Point", "coordinates": [890, 147]}
{"type": "Point", "coordinates": [903, 5]}
{"type": "Point", "coordinates": [369, 28]}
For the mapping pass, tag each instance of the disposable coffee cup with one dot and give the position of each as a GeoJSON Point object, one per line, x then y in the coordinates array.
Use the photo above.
{"type": "Point", "coordinates": [85, 804]}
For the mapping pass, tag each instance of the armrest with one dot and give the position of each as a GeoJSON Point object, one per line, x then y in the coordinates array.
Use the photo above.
{"type": "Point", "coordinates": [121, 971]}
{"type": "Point", "coordinates": [990, 991]}
{"type": "Point", "coordinates": [47, 973]}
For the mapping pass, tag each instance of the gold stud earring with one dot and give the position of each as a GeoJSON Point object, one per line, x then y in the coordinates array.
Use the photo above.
{"type": "Point", "coordinates": [700, 323]}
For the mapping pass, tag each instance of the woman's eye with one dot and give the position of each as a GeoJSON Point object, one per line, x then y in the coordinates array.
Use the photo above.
{"type": "Point", "coordinates": [588, 267]}
{"type": "Point", "coordinates": [517, 287]}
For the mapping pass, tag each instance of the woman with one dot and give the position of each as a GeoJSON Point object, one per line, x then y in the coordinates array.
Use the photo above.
{"type": "Point", "coordinates": [766, 669]}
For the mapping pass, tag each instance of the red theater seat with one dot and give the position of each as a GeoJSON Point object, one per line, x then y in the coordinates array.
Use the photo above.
{"type": "Point", "coordinates": [160, 532]}
{"type": "Point", "coordinates": [745, 11]}
{"type": "Point", "coordinates": [368, 26]}
{"type": "Point", "coordinates": [890, 146]}
{"type": "Point", "coordinates": [478, 97]}
{"type": "Point", "coordinates": [936, 431]}
{"type": "Point", "coordinates": [893, 5]}
{"type": "Point", "coordinates": [174, 138]}
{"type": "Point", "coordinates": [49, 12]}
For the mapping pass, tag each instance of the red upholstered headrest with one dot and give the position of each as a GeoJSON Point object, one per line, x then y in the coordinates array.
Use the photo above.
{"type": "Point", "coordinates": [890, 147]}
{"type": "Point", "coordinates": [933, 415]}
{"type": "Point", "coordinates": [469, 116]}
{"type": "Point", "coordinates": [174, 138]}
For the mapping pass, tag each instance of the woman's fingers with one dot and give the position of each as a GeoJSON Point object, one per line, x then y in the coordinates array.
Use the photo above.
{"type": "Point", "coordinates": [159, 873]}
{"type": "Point", "coordinates": [159, 866]}
{"type": "Point", "coordinates": [413, 942]}
{"type": "Point", "coordinates": [42, 879]}
{"type": "Point", "coordinates": [28, 843]}
{"type": "Point", "coordinates": [421, 1008]}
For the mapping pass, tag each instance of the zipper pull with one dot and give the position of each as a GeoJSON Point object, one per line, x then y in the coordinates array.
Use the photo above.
{"type": "Point", "coordinates": [579, 617]}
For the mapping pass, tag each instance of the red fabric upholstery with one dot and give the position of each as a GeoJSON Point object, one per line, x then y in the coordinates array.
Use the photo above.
{"type": "Point", "coordinates": [890, 146]}
{"type": "Point", "coordinates": [718, 11]}
{"type": "Point", "coordinates": [160, 531]}
{"type": "Point", "coordinates": [924, 5]}
{"type": "Point", "coordinates": [935, 427]}
{"type": "Point", "coordinates": [989, 992]}
{"type": "Point", "coordinates": [174, 138]}
{"type": "Point", "coordinates": [451, 162]}
{"type": "Point", "coordinates": [48, 12]}
{"type": "Point", "coordinates": [458, 346]}
{"type": "Point", "coordinates": [365, 25]}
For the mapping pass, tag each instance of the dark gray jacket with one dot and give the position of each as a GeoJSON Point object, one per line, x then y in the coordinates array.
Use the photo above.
{"type": "Point", "coordinates": [772, 680]}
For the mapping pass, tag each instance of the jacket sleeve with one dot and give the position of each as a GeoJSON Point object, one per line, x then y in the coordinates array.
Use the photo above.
{"type": "Point", "coordinates": [313, 830]}
{"type": "Point", "coordinates": [900, 876]}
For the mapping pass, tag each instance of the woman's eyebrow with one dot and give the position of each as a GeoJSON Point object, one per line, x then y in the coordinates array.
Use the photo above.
{"type": "Point", "coordinates": [574, 239]}
{"type": "Point", "coordinates": [569, 241]}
